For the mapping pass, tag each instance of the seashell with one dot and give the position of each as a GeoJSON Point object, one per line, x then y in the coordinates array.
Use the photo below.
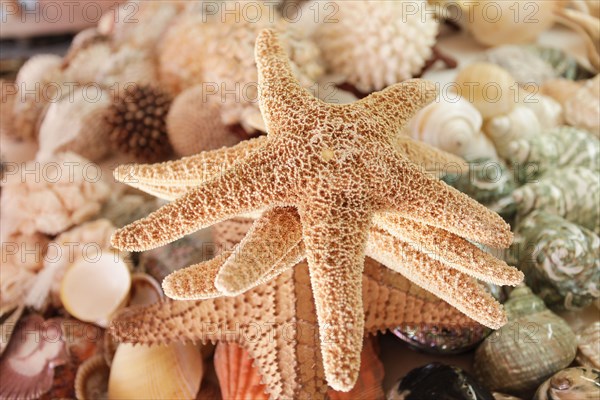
{"type": "Point", "coordinates": [534, 344]}
{"type": "Point", "coordinates": [561, 90]}
{"type": "Point", "coordinates": [569, 384]}
{"type": "Point", "coordinates": [501, 396]}
{"type": "Point", "coordinates": [452, 127]}
{"type": "Point", "coordinates": [491, 89]}
{"type": "Point", "coordinates": [564, 65]}
{"type": "Point", "coordinates": [525, 66]}
{"type": "Point", "coordinates": [194, 123]}
{"type": "Point", "coordinates": [559, 260]}
{"type": "Point", "coordinates": [9, 316]}
{"type": "Point", "coordinates": [572, 193]}
{"type": "Point", "coordinates": [495, 23]}
{"type": "Point", "coordinates": [15, 283]}
{"type": "Point", "coordinates": [438, 381]}
{"type": "Point", "coordinates": [560, 147]}
{"type": "Point", "coordinates": [84, 65]}
{"type": "Point", "coordinates": [145, 290]}
{"type": "Point", "coordinates": [91, 381]}
{"type": "Point", "coordinates": [29, 362]}
{"type": "Point", "coordinates": [81, 40]}
{"type": "Point", "coordinates": [390, 55]}
{"type": "Point", "coordinates": [588, 352]}
{"type": "Point", "coordinates": [583, 109]}
{"type": "Point", "coordinates": [547, 110]}
{"type": "Point", "coordinates": [521, 122]}
{"type": "Point", "coordinates": [109, 348]}
{"type": "Point", "coordinates": [588, 27]}
{"type": "Point", "coordinates": [92, 290]}
{"type": "Point", "coordinates": [128, 66]}
{"type": "Point", "coordinates": [238, 378]}
{"type": "Point", "coordinates": [76, 123]}
{"type": "Point", "coordinates": [135, 372]}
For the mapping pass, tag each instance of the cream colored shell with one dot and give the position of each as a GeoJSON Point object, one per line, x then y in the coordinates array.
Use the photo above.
{"type": "Point", "coordinates": [521, 122]}
{"type": "Point", "coordinates": [583, 109]}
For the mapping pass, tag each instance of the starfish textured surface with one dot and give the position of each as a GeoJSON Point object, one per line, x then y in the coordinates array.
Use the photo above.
{"type": "Point", "coordinates": [276, 323]}
{"type": "Point", "coordinates": [341, 169]}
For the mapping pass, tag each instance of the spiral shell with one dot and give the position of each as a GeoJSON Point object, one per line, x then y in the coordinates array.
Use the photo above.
{"type": "Point", "coordinates": [397, 45]}
{"type": "Point", "coordinates": [583, 109]}
{"type": "Point", "coordinates": [453, 127]}
{"type": "Point", "coordinates": [571, 384]}
{"type": "Point", "coordinates": [533, 345]}
{"type": "Point", "coordinates": [559, 260]}
{"type": "Point", "coordinates": [588, 352]}
{"type": "Point", "coordinates": [547, 110]}
{"type": "Point", "coordinates": [523, 64]}
{"type": "Point", "coordinates": [521, 122]}
{"type": "Point", "coordinates": [91, 381]}
{"type": "Point", "coordinates": [491, 89]}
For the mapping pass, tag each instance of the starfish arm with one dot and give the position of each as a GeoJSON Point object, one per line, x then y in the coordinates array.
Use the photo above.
{"type": "Point", "coordinates": [188, 171]}
{"type": "Point", "coordinates": [415, 196]}
{"type": "Point", "coordinates": [269, 240]}
{"type": "Point", "coordinates": [249, 186]}
{"type": "Point", "coordinates": [397, 104]}
{"type": "Point", "coordinates": [428, 158]}
{"type": "Point", "coordinates": [196, 282]}
{"type": "Point", "coordinates": [451, 285]}
{"type": "Point", "coordinates": [281, 94]}
{"type": "Point", "coordinates": [450, 249]}
{"type": "Point", "coordinates": [335, 240]}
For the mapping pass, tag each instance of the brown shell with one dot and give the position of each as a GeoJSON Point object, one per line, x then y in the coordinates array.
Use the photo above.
{"type": "Point", "coordinates": [91, 381]}
{"type": "Point", "coordinates": [194, 123]}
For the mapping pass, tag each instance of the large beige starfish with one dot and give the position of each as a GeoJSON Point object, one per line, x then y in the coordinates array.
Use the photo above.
{"type": "Point", "coordinates": [339, 170]}
{"type": "Point", "coordinates": [275, 322]}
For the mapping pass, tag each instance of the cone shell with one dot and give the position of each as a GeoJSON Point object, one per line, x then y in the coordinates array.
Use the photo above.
{"type": "Point", "coordinates": [534, 344]}
{"type": "Point", "coordinates": [194, 123]}
{"type": "Point", "coordinates": [158, 372]}
{"type": "Point", "coordinates": [588, 348]}
{"type": "Point", "coordinates": [238, 378]}
{"type": "Point", "coordinates": [583, 109]}
{"type": "Point", "coordinates": [571, 384]}
{"type": "Point", "coordinates": [491, 89]}
{"type": "Point", "coordinates": [91, 381]}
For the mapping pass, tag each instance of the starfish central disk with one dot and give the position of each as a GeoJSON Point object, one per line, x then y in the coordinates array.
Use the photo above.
{"type": "Point", "coordinates": [335, 183]}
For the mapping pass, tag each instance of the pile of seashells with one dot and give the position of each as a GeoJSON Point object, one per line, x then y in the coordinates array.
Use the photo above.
{"type": "Point", "coordinates": [179, 78]}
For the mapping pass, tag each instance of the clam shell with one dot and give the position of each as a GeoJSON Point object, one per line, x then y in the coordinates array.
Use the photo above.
{"type": "Point", "coordinates": [583, 109]}
{"type": "Point", "coordinates": [491, 89]}
{"type": "Point", "coordinates": [571, 384]}
{"type": "Point", "coordinates": [91, 381]}
{"type": "Point", "coordinates": [194, 123]}
{"type": "Point", "coordinates": [588, 349]}
{"type": "Point", "coordinates": [534, 344]}
{"type": "Point", "coordinates": [92, 290]}
{"type": "Point", "coordinates": [159, 372]}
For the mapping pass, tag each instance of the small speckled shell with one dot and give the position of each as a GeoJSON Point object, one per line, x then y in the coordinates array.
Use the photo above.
{"type": "Point", "coordinates": [559, 260]}
{"type": "Point", "coordinates": [534, 344]}
{"type": "Point", "coordinates": [571, 384]}
{"type": "Point", "coordinates": [588, 349]}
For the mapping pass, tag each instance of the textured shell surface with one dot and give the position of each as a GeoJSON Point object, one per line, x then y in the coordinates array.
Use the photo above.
{"type": "Point", "coordinates": [564, 65]}
{"type": "Point", "coordinates": [127, 66]}
{"type": "Point", "coordinates": [559, 259]}
{"type": "Point", "coordinates": [557, 148]}
{"type": "Point", "coordinates": [588, 349]}
{"type": "Point", "coordinates": [374, 44]}
{"type": "Point", "coordinates": [521, 122]}
{"type": "Point", "coordinates": [560, 89]}
{"type": "Point", "coordinates": [572, 193]}
{"type": "Point", "coordinates": [85, 64]}
{"type": "Point", "coordinates": [577, 383]}
{"type": "Point", "coordinates": [548, 111]}
{"type": "Point", "coordinates": [523, 64]}
{"type": "Point", "coordinates": [534, 344]}
{"type": "Point", "coordinates": [583, 109]}
{"type": "Point", "coordinates": [91, 381]}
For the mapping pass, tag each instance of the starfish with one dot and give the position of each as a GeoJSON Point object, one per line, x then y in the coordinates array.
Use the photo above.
{"type": "Point", "coordinates": [275, 322]}
{"type": "Point", "coordinates": [339, 176]}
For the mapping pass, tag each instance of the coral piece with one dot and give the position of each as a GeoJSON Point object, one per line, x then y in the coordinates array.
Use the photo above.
{"type": "Point", "coordinates": [137, 123]}
{"type": "Point", "coordinates": [374, 44]}
{"type": "Point", "coordinates": [337, 166]}
{"type": "Point", "coordinates": [276, 323]}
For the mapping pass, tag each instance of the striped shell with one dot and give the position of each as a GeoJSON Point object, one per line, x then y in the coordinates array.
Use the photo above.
{"type": "Point", "coordinates": [571, 384]}
{"type": "Point", "coordinates": [588, 351]}
{"type": "Point", "coordinates": [91, 381]}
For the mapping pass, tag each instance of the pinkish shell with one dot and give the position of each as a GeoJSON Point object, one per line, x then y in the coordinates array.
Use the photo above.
{"type": "Point", "coordinates": [91, 381]}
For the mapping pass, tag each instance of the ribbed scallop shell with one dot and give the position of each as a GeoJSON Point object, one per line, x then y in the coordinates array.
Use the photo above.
{"type": "Point", "coordinates": [238, 377]}
{"type": "Point", "coordinates": [373, 44]}
{"type": "Point", "coordinates": [91, 381]}
{"type": "Point", "coordinates": [194, 123]}
{"type": "Point", "coordinates": [588, 349]}
{"type": "Point", "coordinates": [583, 109]}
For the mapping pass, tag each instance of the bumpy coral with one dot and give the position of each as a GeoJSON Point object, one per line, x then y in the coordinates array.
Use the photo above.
{"type": "Point", "coordinates": [374, 44]}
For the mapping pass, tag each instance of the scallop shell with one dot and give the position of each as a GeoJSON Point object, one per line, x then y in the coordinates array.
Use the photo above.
{"type": "Point", "coordinates": [521, 122]}
{"type": "Point", "coordinates": [91, 381]}
{"type": "Point", "coordinates": [534, 344]}
{"type": "Point", "coordinates": [559, 260]}
{"type": "Point", "coordinates": [495, 23]}
{"type": "Point", "coordinates": [491, 89]}
{"type": "Point", "coordinates": [159, 372]}
{"type": "Point", "coordinates": [76, 123]}
{"type": "Point", "coordinates": [93, 290]}
{"type": "Point", "coordinates": [571, 384]}
{"type": "Point", "coordinates": [194, 123]}
{"type": "Point", "coordinates": [454, 127]}
{"type": "Point", "coordinates": [524, 65]}
{"type": "Point", "coordinates": [583, 109]}
{"type": "Point", "coordinates": [238, 378]}
{"type": "Point", "coordinates": [9, 315]}
{"type": "Point", "coordinates": [588, 350]}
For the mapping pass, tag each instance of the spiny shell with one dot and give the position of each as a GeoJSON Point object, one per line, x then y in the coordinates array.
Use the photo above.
{"type": "Point", "coordinates": [583, 109]}
{"type": "Point", "coordinates": [157, 372]}
{"type": "Point", "coordinates": [534, 344]}
{"type": "Point", "coordinates": [521, 122]}
{"type": "Point", "coordinates": [571, 384]}
{"type": "Point", "coordinates": [194, 123]}
{"type": "Point", "coordinates": [523, 64]}
{"type": "Point", "coordinates": [76, 123]}
{"type": "Point", "coordinates": [454, 127]}
{"type": "Point", "coordinates": [560, 147]}
{"type": "Point", "coordinates": [491, 89]}
{"type": "Point", "coordinates": [572, 193]}
{"type": "Point", "coordinates": [374, 44]}
{"type": "Point", "coordinates": [559, 259]}
{"type": "Point", "coordinates": [588, 349]}
{"type": "Point", "coordinates": [91, 381]}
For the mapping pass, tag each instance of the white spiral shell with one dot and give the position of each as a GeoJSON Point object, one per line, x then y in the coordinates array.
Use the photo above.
{"type": "Point", "coordinates": [521, 122]}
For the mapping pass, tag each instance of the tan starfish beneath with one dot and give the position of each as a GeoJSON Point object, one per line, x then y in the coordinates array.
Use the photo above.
{"type": "Point", "coordinates": [338, 167]}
